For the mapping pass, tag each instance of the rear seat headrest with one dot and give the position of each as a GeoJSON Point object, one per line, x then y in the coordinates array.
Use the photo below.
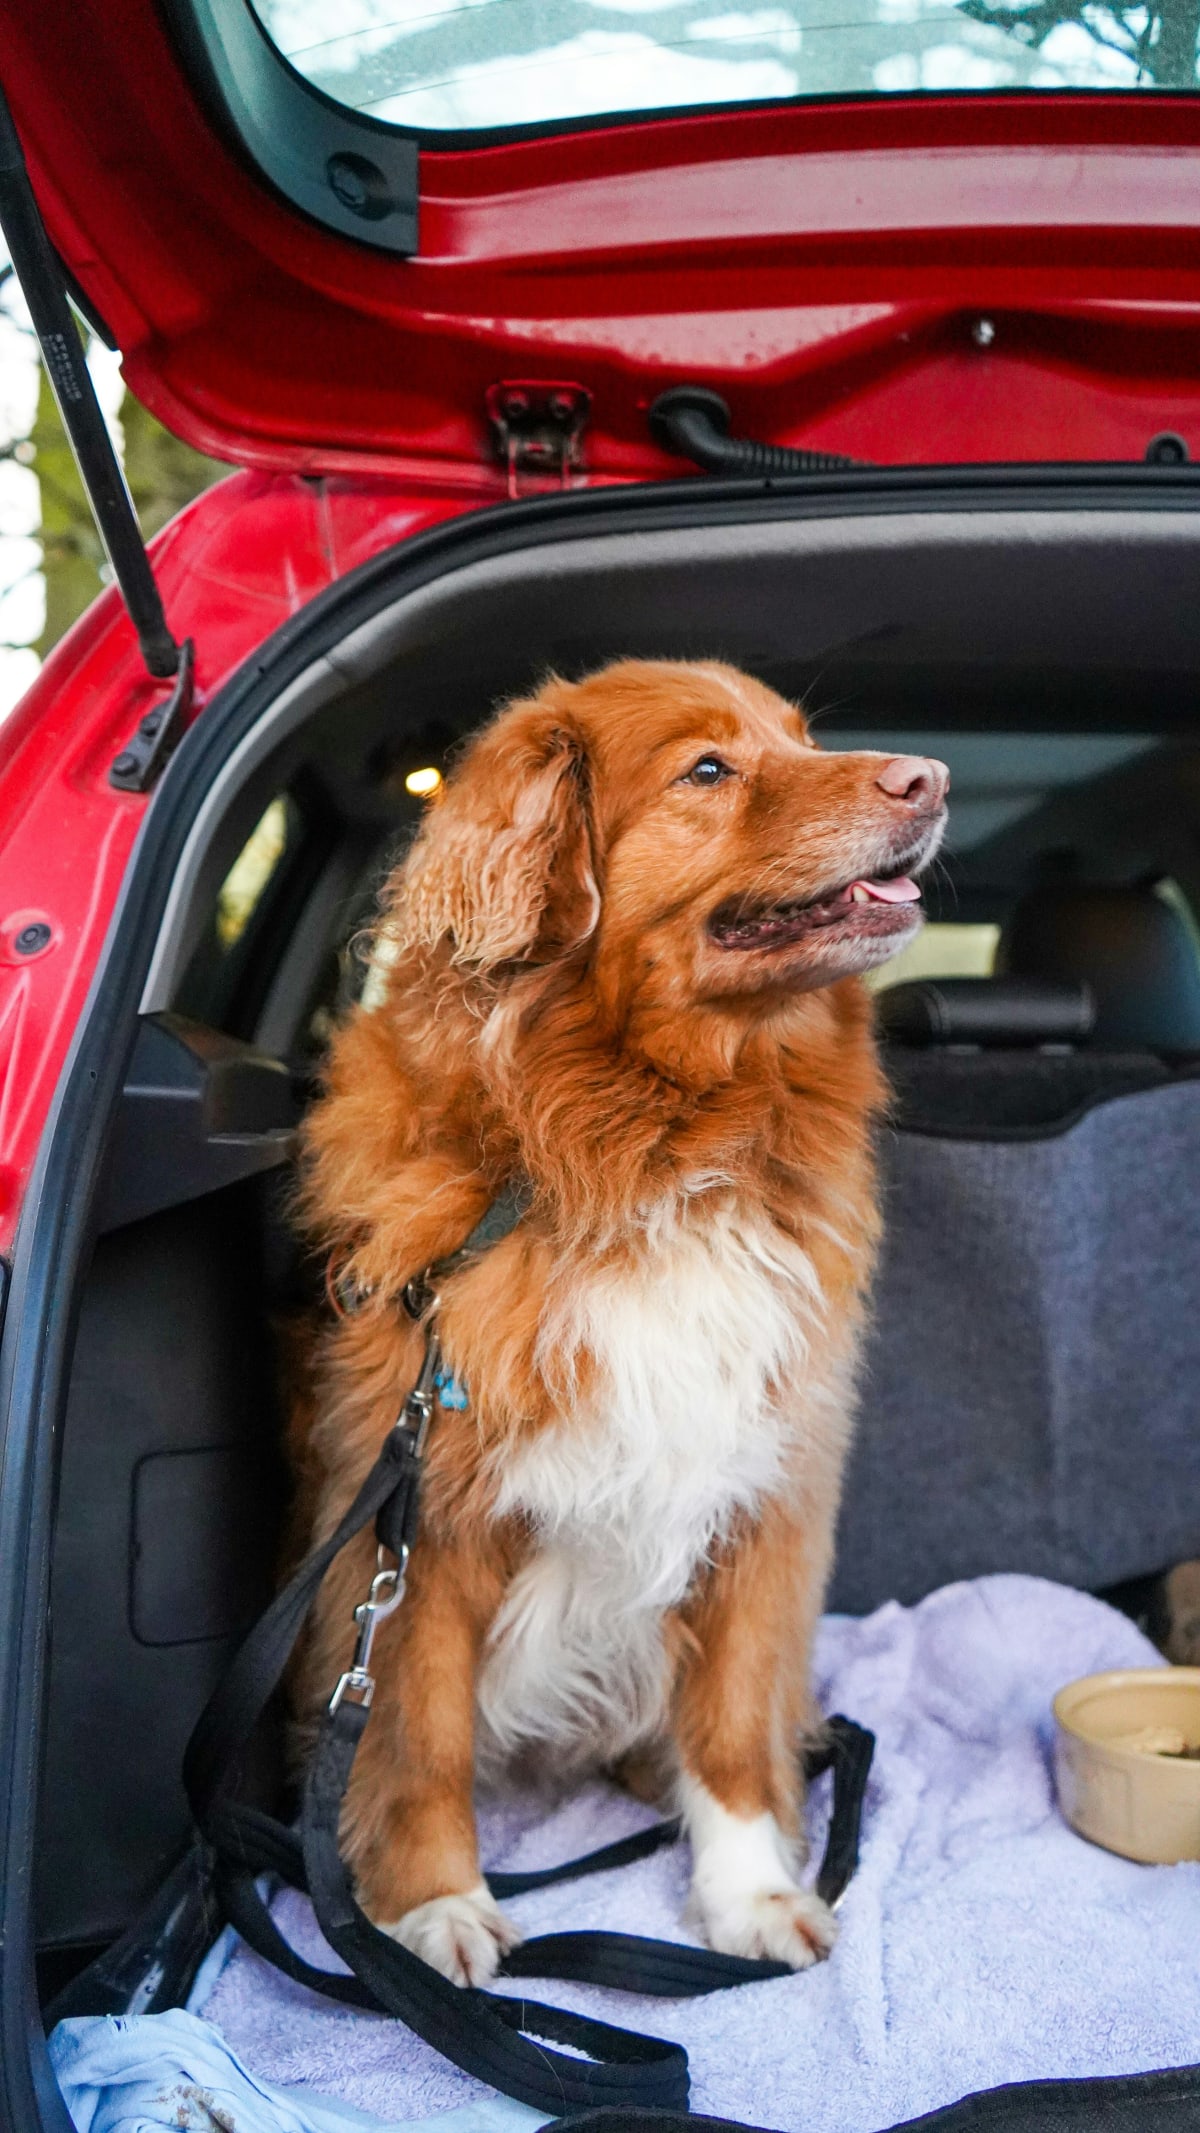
{"type": "Point", "coordinates": [985, 1011]}
{"type": "Point", "coordinates": [1130, 947]}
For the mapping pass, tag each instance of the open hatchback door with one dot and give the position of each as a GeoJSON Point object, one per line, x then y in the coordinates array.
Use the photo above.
{"type": "Point", "coordinates": [851, 341]}
{"type": "Point", "coordinates": [380, 253]}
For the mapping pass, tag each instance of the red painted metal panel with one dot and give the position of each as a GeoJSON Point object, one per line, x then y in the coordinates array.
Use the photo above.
{"type": "Point", "coordinates": [802, 258]}
{"type": "Point", "coordinates": [234, 566]}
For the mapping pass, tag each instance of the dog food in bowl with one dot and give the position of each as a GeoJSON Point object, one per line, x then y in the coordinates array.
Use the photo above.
{"type": "Point", "coordinates": [1127, 1761]}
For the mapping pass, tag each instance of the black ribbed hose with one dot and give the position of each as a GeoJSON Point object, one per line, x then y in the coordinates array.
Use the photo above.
{"type": "Point", "coordinates": [691, 422]}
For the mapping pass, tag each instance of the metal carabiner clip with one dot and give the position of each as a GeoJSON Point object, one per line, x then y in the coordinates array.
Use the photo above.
{"type": "Point", "coordinates": [384, 1597]}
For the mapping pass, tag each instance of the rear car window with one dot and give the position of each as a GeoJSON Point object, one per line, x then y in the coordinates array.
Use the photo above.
{"type": "Point", "coordinates": [255, 908]}
{"type": "Point", "coordinates": [941, 951]}
{"type": "Point", "coordinates": [454, 65]}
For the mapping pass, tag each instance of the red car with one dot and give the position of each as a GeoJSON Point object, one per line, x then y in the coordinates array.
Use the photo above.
{"type": "Point", "coordinates": [865, 357]}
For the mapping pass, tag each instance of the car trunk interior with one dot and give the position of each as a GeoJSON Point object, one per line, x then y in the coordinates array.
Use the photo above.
{"type": "Point", "coordinates": [1025, 1403]}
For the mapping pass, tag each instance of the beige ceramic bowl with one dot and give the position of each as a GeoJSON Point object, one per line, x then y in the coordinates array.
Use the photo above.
{"type": "Point", "coordinates": [1111, 1785]}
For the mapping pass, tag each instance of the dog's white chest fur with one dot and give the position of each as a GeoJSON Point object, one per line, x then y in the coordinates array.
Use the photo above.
{"type": "Point", "coordinates": [683, 1342]}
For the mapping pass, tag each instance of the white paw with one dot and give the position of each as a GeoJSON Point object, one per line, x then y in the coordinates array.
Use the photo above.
{"type": "Point", "coordinates": [785, 1925]}
{"type": "Point", "coordinates": [745, 1897]}
{"type": "Point", "coordinates": [462, 1936]}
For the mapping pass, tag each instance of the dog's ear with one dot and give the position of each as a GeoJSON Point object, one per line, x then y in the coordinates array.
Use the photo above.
{"type": "Point", "coordinates": [504, 864]}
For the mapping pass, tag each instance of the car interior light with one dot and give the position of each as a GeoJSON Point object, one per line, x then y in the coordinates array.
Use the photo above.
{"type": "Point", "coordinates": [424, 783]}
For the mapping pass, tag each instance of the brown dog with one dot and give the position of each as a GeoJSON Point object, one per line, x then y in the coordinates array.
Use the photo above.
{"type": "Point", "coordinates": [622, 966]}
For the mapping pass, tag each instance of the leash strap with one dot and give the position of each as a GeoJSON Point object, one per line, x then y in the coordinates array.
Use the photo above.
{"type": "Point", "coordinates": [506, 2042]}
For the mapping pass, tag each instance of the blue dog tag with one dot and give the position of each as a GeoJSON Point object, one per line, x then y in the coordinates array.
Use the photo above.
{"type": "Point", "coordinates": [450, 1393]}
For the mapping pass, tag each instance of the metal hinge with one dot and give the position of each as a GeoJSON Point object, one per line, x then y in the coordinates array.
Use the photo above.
{"type": "Point", "coordinates": [157, 732]}
{"type": "Point", "coordinates": [538, 428]}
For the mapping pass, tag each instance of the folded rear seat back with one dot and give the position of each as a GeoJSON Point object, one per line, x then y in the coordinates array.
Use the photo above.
{"type": "Point", "coordinates": [1028, 1392]}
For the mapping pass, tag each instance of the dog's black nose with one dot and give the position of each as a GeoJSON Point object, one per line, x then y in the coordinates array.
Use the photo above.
{"type": "Point", "coordinates": [919, 780]}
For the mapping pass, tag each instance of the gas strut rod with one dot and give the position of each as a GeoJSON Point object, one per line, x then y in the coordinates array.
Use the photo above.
{"type": "Point", "coordinates": [40, 275]}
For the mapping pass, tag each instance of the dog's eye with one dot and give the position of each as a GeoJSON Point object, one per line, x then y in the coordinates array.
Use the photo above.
{"type": "Point", "coordinates": [710, 770]}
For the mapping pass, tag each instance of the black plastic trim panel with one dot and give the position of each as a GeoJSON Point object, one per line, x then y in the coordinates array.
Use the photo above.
{"type": "Point", "coordinates": [199, 1110]}
{"type": "Point", "coordinates": [59, 1215]}
{"type": "Point", "coordinates": [153, 1965]}
{"type": "Point", "coordinates": [353, 173]}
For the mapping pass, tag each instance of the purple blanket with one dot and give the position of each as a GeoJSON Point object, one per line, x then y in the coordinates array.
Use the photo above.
{"type": "Point", "coordinates": [981, 1941]}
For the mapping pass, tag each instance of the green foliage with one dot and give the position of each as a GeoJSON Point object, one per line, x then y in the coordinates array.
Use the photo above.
{"type": "Point", "coordinates": [163, 474]}
{"type": "Point", "coordinates": [71, 552]}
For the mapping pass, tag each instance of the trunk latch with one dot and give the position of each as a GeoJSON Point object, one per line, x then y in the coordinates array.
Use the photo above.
{"type": "Point", "coordinates": [538, 429]}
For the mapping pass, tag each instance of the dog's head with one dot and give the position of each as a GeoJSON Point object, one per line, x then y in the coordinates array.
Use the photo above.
{"type": "Point", "coordinates": [674, 824]}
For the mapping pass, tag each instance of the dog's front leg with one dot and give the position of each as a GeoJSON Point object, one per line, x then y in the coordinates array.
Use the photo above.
{"type": "Point", "coordinates": [409, 1826]}
{"type": "Point", "coordinates": [740, 1711]}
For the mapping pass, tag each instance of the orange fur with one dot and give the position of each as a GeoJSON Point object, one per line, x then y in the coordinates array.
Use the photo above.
{"type": "Point", "coordinates": [556, 1005]}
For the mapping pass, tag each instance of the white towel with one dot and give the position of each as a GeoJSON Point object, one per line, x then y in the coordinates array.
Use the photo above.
{"type": "Point", "coordinates": [981, 1940]}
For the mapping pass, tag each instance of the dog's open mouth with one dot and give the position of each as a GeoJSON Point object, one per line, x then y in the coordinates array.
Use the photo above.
{"type": "Point", "coordinates": [879, 906]}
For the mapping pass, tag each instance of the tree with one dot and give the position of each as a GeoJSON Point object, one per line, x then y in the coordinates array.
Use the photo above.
{"type": "Point", "coordinates": [1160, 42]}
{"type": "Point", "coordinates": [72, 557]}
{"type": "Point", "coordinates": [163, 475]}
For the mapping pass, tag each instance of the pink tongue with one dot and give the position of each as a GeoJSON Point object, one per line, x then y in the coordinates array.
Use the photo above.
{"type": "Point", "coordinates": [900, 891]}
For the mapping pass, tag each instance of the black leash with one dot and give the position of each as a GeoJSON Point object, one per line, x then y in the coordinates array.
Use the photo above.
{"type": "Point", "coordinates": [505, 2042]}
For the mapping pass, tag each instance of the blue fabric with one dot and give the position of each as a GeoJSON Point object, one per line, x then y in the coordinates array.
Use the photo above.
{"type": "Point", "coordinates": [173, 2073]}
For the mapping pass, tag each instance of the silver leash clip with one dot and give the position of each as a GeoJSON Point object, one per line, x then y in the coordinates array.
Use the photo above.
{"type": "Point", "coordinates": [417, 1411]}
{"type": "Point", "coordinates": [384, 1597]}
{"type": "Point", "coordinates": [387, 1585]}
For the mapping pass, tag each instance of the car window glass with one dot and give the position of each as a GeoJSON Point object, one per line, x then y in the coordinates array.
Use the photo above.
{"type": "Point", "coordinates": [232, 959]}
{"type": "Point", "coordinates": [1172, 894]}
{"type": "Point", "coordinates": [941, 951]}
{"type": "Point", "coordinates": [244, 885]}
{"type": "Point", "coordinates": [464, 64]}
